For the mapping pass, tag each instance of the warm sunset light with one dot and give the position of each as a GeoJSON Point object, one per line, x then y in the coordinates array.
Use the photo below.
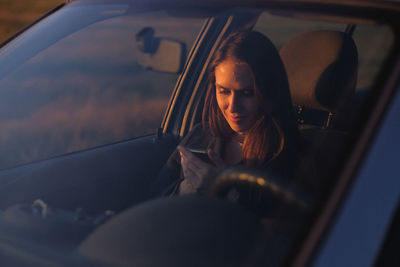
{"type": "Point", "coordinates": [15, 14]}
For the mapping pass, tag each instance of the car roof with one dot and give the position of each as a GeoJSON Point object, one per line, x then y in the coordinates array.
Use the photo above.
{"type": "Point", "coordinates": [393, 5]}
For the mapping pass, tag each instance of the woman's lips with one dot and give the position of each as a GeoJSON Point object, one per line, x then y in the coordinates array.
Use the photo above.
{"type": "Point", "coordinates": [236, 118]}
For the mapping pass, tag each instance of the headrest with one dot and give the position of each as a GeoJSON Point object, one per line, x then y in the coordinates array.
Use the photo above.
{"type": "Point", "coordinates": [321, 68]}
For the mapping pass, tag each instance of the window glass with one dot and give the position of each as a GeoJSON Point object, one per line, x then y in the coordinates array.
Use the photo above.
{"type": "Point", "coordinates": [84, 86]}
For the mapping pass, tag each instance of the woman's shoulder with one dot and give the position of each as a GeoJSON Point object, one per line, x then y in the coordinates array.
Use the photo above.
{"type": "Point", "coordinates": [197, 128]}
{"type": "Point", "coordinates": [197, 137]}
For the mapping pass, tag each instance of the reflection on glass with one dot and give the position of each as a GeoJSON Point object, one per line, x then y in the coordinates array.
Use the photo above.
{"type": "Point", "coordinates": [86, 89]}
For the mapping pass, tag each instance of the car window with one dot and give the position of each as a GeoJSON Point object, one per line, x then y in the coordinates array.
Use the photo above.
{"type": "Point", "coordinates": [86, 86]}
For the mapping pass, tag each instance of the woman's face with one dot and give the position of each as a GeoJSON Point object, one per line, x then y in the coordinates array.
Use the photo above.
{"type": "Point", "coordinates": [235, 94]}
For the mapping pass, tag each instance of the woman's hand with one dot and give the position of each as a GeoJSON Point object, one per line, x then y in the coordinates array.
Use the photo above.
{"type": "Point", "coordinates": [196, 171]}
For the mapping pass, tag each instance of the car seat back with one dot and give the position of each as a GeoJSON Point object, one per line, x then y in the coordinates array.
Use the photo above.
{"type": "Point", "coordinates": [322, 71]}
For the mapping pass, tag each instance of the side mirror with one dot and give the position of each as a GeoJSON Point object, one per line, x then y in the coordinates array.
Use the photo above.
{"type": "Point", "coordinates": [159, 53]}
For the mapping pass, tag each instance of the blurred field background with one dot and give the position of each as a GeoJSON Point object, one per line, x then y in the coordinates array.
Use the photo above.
{"type": "Point", "coordinates": [15, 14]}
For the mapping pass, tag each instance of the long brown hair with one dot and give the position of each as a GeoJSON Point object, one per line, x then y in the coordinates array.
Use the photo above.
{"type": "Point", "coordinates": [275, 131]}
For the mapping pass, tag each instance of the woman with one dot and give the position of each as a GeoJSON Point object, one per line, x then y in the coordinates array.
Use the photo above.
{"type": "Point", "coordinates": [247, 118]}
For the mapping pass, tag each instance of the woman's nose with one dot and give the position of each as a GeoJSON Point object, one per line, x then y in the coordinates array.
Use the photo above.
{"type": "Point", "coordinates": [234, 103]}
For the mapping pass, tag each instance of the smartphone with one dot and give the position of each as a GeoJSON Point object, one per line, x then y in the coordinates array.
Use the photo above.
{"type": "Point", "coordinates": [201, 154]}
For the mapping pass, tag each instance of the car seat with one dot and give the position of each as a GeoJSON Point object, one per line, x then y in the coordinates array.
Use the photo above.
{"type": "Point", "coordinates": [322, 71]}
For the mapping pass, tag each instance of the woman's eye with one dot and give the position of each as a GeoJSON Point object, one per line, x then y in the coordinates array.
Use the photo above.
{"type": "Point", "coordinates": [247, 92]}
{"type": "Point", "coordinates": [223, 91]}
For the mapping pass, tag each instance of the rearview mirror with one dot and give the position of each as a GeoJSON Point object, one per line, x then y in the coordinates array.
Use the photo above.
{"type": "Point", "coordinates": [159, 53]}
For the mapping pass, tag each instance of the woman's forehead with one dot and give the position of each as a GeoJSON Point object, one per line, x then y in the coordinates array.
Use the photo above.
{"type": "Point", "coordinates": [232, 74]}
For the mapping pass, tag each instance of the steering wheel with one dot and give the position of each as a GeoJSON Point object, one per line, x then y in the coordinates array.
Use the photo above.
{"type": "Point", "coordinates": [264, 193]}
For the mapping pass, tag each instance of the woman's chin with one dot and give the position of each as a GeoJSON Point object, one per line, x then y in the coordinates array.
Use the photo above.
{"type": "Point", "coordinates": [239, 129]}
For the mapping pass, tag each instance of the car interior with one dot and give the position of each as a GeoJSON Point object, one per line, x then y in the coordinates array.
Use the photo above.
{"type": "Point", "coordinates": [96, 203]}
{"type": "Point", "coordinates": [314, 97]}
